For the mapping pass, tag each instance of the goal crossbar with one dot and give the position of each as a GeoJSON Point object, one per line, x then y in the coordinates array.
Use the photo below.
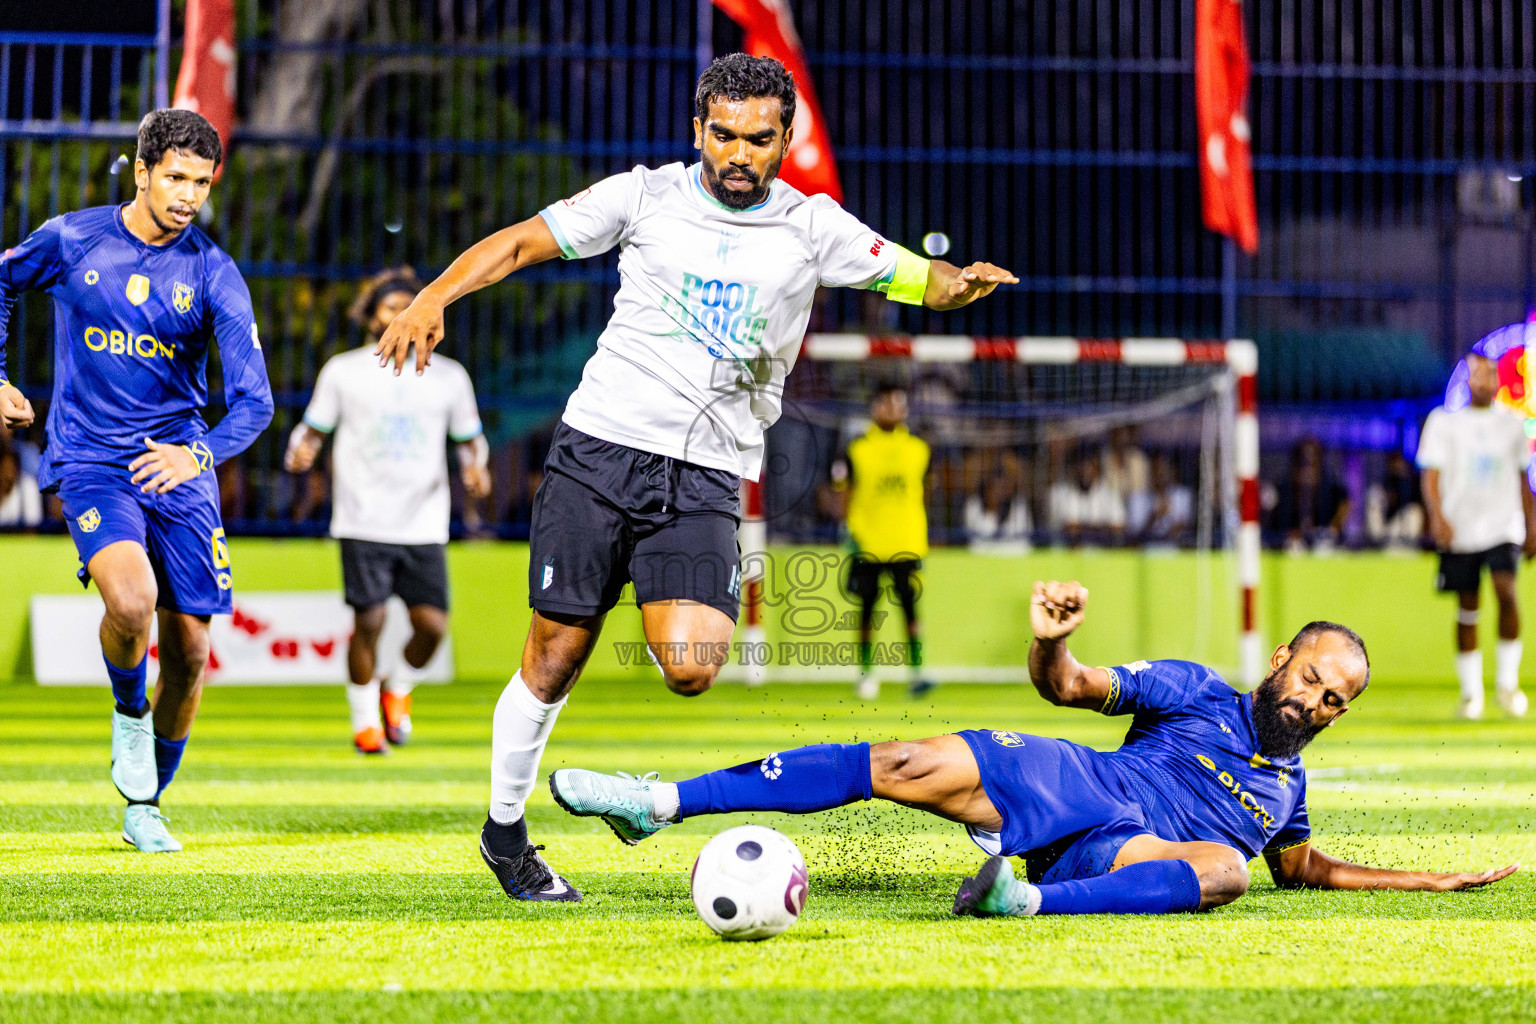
{"type": "Point", "coordinates": [1238, 355]}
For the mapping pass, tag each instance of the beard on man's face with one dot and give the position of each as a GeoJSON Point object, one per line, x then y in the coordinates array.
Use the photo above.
{"type": "Point", "coordinates": [1281, 734]}
{"type": "Point", "coordinates": [736, 199]}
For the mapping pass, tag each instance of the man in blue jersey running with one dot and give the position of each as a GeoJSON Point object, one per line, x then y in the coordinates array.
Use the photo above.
{"type": "Point", "coordinates": [1206, 779]}
{"type": "Point", "coordinates": [139, 294]}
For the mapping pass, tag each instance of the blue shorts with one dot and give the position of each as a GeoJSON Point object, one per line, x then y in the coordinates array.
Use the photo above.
{"type": "Point", "coordinates": [180, 531]}
{"type": "Point", "coordinates": [1062, 810]}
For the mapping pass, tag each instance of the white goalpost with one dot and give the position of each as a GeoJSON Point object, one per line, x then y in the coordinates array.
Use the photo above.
{"type": "Point", "coordinates": [1026, 400]}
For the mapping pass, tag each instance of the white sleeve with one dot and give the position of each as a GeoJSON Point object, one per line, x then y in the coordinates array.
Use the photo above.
{"type": "Point", "coordinates": [1432, 442]}
{"type": "Point", "coordinates": [464, 415]}
{"type": "Point", "coordinates": [848, 252]}
{"type": "Point", "coordinates": [595, 219]}
{"type": "Point", "coordinates": [325, 404]}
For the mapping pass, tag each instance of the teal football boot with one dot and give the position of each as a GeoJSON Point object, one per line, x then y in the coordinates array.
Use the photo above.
{"type": "Point", "coordinates": [625, 802]}
{"type": "Point", "coordinates": [144, 830]}
{"type": "Point", "coordinates": [994, 892]}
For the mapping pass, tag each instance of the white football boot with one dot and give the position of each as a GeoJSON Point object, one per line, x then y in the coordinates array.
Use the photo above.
{"type": "Point", "coordinates": [1513, 701]}
{"type": "Point", "coordinates": [133, 756]}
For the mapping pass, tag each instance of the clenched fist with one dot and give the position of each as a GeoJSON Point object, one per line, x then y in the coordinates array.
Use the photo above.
{"type": "Point", "coordinates": [1056, 609]}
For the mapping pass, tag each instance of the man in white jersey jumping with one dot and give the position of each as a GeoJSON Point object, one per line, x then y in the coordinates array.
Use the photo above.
{"type": "Point", "coordinates": [1481, 512]}
{"type": "Point", "coordinates": [718, 265]}
{"type": "Point", "coordinates": [390, 502]}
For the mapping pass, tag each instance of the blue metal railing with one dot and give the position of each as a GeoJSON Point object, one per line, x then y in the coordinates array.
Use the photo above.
{"type": "Point", "coordinates": [1064, 147]}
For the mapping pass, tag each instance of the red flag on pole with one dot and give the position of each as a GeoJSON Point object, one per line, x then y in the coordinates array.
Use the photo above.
{"type": "Point", "coordinates": [770, 32]}
{"type": "Point", "coordinates": [1221, 103]}
{"type": "Point", "coordinates": [206, 82]}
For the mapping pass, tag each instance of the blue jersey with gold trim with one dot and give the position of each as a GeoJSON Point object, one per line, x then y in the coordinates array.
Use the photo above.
{"type": "Point", "coordinates": [132, 326]}
{"type": "Point", "coordinates": [1191, 761]}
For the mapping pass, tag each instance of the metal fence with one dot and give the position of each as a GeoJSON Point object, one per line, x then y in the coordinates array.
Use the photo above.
{"type": "Point", "coordinates": [1394, 156]}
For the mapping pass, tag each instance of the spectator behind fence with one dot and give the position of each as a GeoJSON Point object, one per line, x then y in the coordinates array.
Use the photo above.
{"type": "Point", "coordinates": [1313, 505]}
{"type": "Point", "coordinates": [1394, 506]}
{"type": "Point", "coordinates": [1161, 514]}
{"type": "Point", "coordinates": [20, 502]}
{"type": "Point", "coordinates": [1126, 468]}
{"type": "Point", "coordinates": [1086, 509]}
{"type": "Point", "coordinates": [997, 517]}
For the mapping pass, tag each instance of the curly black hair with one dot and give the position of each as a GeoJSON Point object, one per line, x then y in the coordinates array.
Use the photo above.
{"type": "Point", "coordinates": [739, 76]}
{"type": "Point", "coordinates": [395, 279]}
{"type": "Point", "coordinates": [182, 130]}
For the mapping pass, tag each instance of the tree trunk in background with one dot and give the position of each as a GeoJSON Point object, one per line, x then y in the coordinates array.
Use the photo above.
{"type": "Point", "coordinates": [292, 85]}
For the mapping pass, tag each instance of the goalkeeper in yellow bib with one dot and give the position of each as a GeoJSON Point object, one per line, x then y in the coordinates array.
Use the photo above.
{"type": "Point", "coordinates": [718, 265]}
{"type": "Point", "coordinates": [882, 478]}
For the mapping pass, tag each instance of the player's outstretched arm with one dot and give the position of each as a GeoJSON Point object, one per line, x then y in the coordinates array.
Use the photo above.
{"type": "Point", "coordinates": [304, 445]}
{"type": "Point", "coordinates": [1056, 609]}
{"type": "Point", "coordinates": [1305, 867]}
{"type": "Point", "coordinates": [484, 263]}
{"type": "Point", "coordinates": [950, 287]}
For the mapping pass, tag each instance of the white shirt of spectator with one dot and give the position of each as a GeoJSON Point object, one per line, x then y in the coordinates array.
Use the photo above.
{"type": "Point", "coordinates": [1099, 506]}
{"type": "Point", "coordinates": [1142, 504]}
{"type": "Point", "coordinates": [24, 505]}
{"type": "Point", "coordinates": [986, 528]}
{"type": "Point", "coordinates": [389, 461]}
{"type": "Point", "coordinates": [711, 308]}
{"type": "Point", "coordinates": [1481, 454]}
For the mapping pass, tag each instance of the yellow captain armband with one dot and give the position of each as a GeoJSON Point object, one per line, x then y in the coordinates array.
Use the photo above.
{"type": "Point", "coordinates": [1113, 696]}
{"type": "Point", "coordinates": [908, 280]}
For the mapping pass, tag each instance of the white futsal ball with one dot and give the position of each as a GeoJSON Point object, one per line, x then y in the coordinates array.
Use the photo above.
{"type": "Point", "coordinates": [749, 882]}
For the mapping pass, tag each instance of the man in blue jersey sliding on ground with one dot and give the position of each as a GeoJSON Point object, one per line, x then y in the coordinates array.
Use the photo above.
{"type": "Point", "coordinates": [1206, 779]}
{"type": "Point", "coordinates": [139, 294]}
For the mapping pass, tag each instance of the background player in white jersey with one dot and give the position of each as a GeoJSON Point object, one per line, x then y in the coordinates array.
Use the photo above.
{"type": "Point", "coordinates": [390, 501]}
{"type": "Point", "coordinates": [1481, 512]}
{"type": "Point", "coordinates": [718, 265]}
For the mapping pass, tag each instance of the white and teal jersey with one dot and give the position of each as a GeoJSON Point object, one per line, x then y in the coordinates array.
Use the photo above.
{"type": "Point", "coordinates": [711, 308]}
{"type": "Point", "coordinates": [389, 460]}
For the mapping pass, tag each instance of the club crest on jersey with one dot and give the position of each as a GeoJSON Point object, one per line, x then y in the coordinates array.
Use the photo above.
{"type": "Point", "coordinates": [91, 277]}
{"type": "Point", "coordinates": [181, 297]}
{"type": "Point", "coordinates": [89, 520]}
{"type": "Point", "coordinates": [1004, 738]}
{"type": "Point", "coordinates": [137, 290]}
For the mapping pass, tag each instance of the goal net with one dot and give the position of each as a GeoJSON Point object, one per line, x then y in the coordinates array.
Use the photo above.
{"type": "Point", "coordinates": [1129, 462]}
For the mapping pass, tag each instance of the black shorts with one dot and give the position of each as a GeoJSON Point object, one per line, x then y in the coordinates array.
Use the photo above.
{"type": "Point", "coordinates": [1462, 572]}
{"type": "Point", "coordinates": [371, 571]}
{"type": "Point", "coordinates": [607, 514]}
{"type": "Point", "coordinates": [864, 580]}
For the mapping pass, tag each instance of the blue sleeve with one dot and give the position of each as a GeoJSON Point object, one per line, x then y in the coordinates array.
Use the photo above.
{"type": "Point", "coordinates": [1296, 831]}
{"type": "Point", "coordinates": [246, 390]}
{"type": "Point", "coordinates": [34, 265]}
{"type": "Point", "coordinates": [1156, 687]}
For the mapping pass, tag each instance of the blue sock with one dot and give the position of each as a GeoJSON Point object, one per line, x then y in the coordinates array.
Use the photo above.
{"type": "Point", "coordinates": [168, 759]}
{"type": "Point", "coordinates": [1149, 887]}
{"type": "Point", "coordinates": [800, 780]}
{"type": "Point", "coordinates": [128, 687]}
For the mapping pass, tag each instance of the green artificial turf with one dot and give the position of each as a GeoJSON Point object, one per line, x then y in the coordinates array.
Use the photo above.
{"type": "Point", "coordinates": [318, 885]}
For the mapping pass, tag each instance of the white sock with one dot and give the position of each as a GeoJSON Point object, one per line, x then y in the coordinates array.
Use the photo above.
{"type": "Point", "coordinates": [1469, 672]}
{"type": "Point", "coordinates": [402, 678]}
{"type": "Point", "coordinates": [519, 731]}
{"type": "Point", "coordinates": [1507, 664]}
{"type": "Point", "coordinates": [364, 701]}
{"type": "Point", "coordinates": [667, 802]}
